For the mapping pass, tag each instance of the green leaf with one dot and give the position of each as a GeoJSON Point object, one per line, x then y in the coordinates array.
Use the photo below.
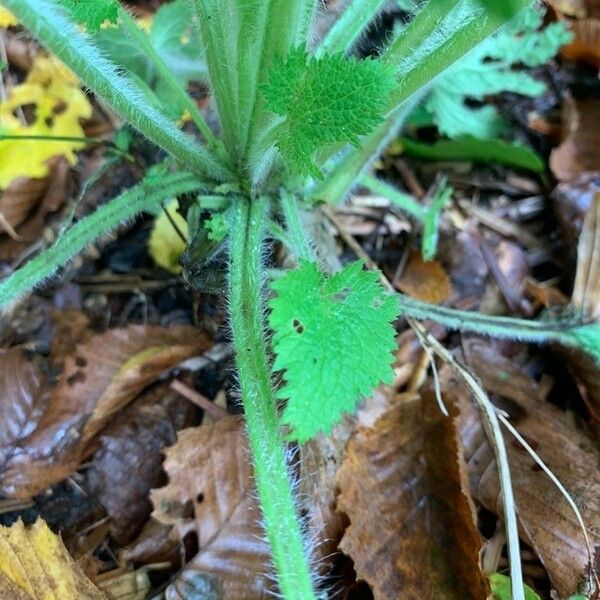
{"type": "Point", "coordinates": [431, 220]}
{"type": "Point", "coordinates": [216, 227]}
{"type": "Point", "coordinates": [333, 339]}
{"type": "Point", "coordinates": [469, 148]}
{"type": "Point", "coordinates": [501, 588]}
{"type": "Point", "coordinates": [324, 101]}
{"type": "Point", "coordinates": [174, 38]}
{"type": "Point", "coordinates": [92, 13]}
{"type": "Point", "coordinates": [586, 337]}
{"type": "Point", "coordinates": [490, 69]}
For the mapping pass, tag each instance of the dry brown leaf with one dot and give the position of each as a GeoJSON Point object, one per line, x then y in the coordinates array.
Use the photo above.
{"type": "Point", "coordinates": [70, 328]}
{"type": "Point", "coordinates": [546, 521]}
{"type": "Point", "coordinates": [23, 397]}
{"type": "Point", "coordinates": [211, 494]}
{"type": "Point", "coordinates": [571, 8]}
{"type": "Point", "coordinates": [129, 461]}
{"type": "Point", "coordinates": [425, 280]}
{"type": "Point", "coordinates": [129, 585]}
{"type": "Point", "coordinates": [155, 544]}
{"type": "Point", "coordinates": [578, 151]}
{"type": "Point", "coordinates": [412, 532]}
{"type": "Point", "coordinates": [36, 566]}
{"type": "Point", "coordinates": [28, 204]}
{"type": "Point", "coordinates": [99, 380]}
{"type": "Point", "coordinates": [586, 45]}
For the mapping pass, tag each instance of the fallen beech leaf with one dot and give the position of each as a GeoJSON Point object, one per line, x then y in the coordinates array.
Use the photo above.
{"type": "Point", "coordinates": [190, 585]}
{"type": "Point", "coordinates": [29, 211]}
{"type": "Point", "coordinates": [129, 460]}
{"type": "Point", "coordinates": [70, 328]}
{"type": "Point", "coordinates": [546, 521]}
{"type": "Point", "coordinates": [577, 152]}
{"type": "Point", "coordinates": [155, 544]}
{"type": "Point", "coordinates": [35, 565]}
{"type": "Point", "coordinates": [99, 379]}
{"type": "Point", "coordinates": [425, 280]}
{"type": "Point", "coordinates": [59, 104]}
{"type": "Point", "coordinates": [571, 8]}
{"type": "Point", "coordinates": [211, 494]}
{"type": "Point", "coordinates": [412, 532]}
{"type": "Point", "coordinates": [22, 399]}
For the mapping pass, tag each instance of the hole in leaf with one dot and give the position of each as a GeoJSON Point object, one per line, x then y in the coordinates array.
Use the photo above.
{"type": "Point", "coordinates": [59, 108]}
{"type": "Point", "coordinates": [80, 361]}
{"type": "Point", "coordinates": [298, 327]}
{"type": "Point", "coordinates": [341, 295]}
{"type": "Point", "coordinates": [49, 121]}
{"type": "Point", "coordinates": [200, 498]}
{"type": "Point", "coordinates": [29, 112]}
{"type": "Point", "coordinates": [77, 377]}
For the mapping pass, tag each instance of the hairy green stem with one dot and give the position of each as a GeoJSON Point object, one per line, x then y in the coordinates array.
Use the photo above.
{"type": "Point", "coordinates": [142, 38]}
{"type": "Point", "coordinates": [47, 22]}
{"type": "Point", "coordinates": [298, 237]}
{"type": "Point", "coordinates": [273, 481]}
{"type": "Point", "coordinates": [349, 27]}
{"type": "Point", "coordinates": [143, 196]}
{"type": "Point", "coordinates": [465, 30]}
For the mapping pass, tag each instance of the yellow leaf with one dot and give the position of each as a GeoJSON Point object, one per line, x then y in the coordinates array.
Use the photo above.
{"type": "Point", "coordinates": [165, 245]}
{"type": "Point", "coordinates": [7, 19]}
{"type": "Point", "coordinates": [59, 105]}
{"type": "Point", "coordinates": [35, 565]}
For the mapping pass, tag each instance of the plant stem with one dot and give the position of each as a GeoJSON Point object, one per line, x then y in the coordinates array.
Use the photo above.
{"type": "Point", "coordinates": [44, 20]}
{"type": "Point", "coordinates": [273, 481]}
{"type": "Point", "coordinates": [142, 38]}
{"type": "Point", "coordinates": [405, 202]}
{"type": "Point", "coordinates": [502, 327]}
{"type": "Point", "coordinates": [297, 234]}
{"type": "Point", "coordinates": [349, 27]}
{"type": "Point", "coordinates": [126, 206]}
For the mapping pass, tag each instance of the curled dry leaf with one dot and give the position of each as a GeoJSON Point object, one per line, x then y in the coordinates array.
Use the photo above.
{"type": "Point", "coordinates": [36, 566]}
{"type": "Point", "coordinates": [129, 460]}
{"type": "Point", "coordinates": [577, 152]}
{"type": "Point", "coordinates": [412, 532]}
{"type": "Point", "coordinates": [546, 521]}
{"type": "Point", "coordinates": [425, 280]}
{"type": "Point", "coordinates": [99, 380]}
{"type": "Point", "coordinates": [211, 494]}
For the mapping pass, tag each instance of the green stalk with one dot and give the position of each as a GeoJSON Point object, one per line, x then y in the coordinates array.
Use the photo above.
{"type": "Point", "coordinates": [142, 38]}
{"type": "Point", "coordinates": [349, 27]}
{"type": "Point", "coordinates": [405, 202]}
{"type": "Point", "coordinates": [466, 32]}
{"type": "Point", "coordinates": [572, 333]}
{"type": "Point", "coordinates": [143, 196]}
{"type": "Point", "coordinates": [273, 481]}
{"type": "Point", "coordinates": [299, 240]}
{"type": "Point", "coordinates": [46, 21]}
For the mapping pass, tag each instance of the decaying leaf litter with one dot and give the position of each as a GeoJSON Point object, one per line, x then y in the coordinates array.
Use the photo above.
{"type": "Point", "coordinates": [153, 495]}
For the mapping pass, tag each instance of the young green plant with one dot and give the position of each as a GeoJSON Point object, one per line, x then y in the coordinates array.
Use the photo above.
{"type": "Point", "coordinates": [299, 123]}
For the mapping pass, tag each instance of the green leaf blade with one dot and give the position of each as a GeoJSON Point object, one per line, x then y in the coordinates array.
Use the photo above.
{"type": "Point", "coordinates": [334, 341]}
{"type": "Point", "coordinates": [92, 13]}
{"type": "Point", "coordinates": [325, 101]}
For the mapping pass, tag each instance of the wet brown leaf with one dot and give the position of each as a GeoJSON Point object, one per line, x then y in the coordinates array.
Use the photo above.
{"type": "Point", "coordinates": [23, 397]}
{"type": "Point", "coordinates": [211, 494]}
{"type": "Point", "coordinates": [129, 461]}
{"type": "Point", "coordinates": [577, 153]}
{"type": "Point", "coordinates": [546, 521]}
{"type": "Point", "coordinates": [586, 45]}
{"type": "Point", "coordinates": [99, 380]}
{"type": "Point", "coordinates": [425, 280]}
{"type": "Point", "coordinates": [412, 527]}
{"type": "Point", "coordinates": [154, 544]}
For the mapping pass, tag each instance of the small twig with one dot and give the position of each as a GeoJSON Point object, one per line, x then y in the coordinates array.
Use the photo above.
{"type": "Point", "coordinates": [176, 227]}
{"type": "Point", "coordinates": [198, 399]}
{"type": "Point", "coordinates": [8, 228]}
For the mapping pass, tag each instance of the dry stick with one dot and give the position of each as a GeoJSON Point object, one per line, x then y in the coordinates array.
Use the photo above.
{"type": "Point", "coordinates": [487, 411]}
{"type": "Point", "coordinates": [198, 399]}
